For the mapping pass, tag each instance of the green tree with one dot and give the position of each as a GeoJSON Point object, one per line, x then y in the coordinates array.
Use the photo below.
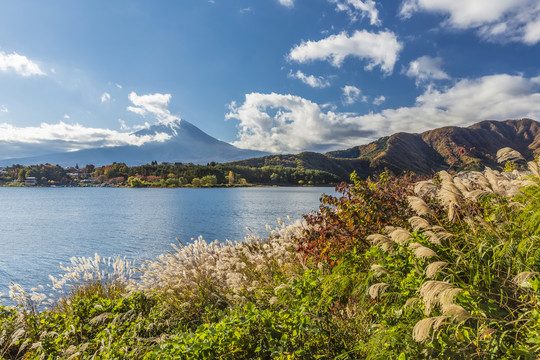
{"type": "Point", "coordinates": [209, 180]}
{"type": "Point", "coordinates": [196, 182]}
{"type": "Point", "coordinates": [135, 182]}
{"type": "Point", "coordinates": [22, 175]}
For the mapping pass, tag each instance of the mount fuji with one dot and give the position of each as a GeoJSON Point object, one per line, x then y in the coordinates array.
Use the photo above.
{"type": "Point", "coordinates": [184, 143]}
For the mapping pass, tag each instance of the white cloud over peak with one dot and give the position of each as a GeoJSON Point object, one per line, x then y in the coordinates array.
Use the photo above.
{"type": "Point", "coordinates": [311, 80]}
{"type": "Point", "coordinates": [500, 21]}
{"type": "Point", "coordinates": [287, 3]}
{"type": "Point", "coordinates": [359, 9]}
{"type": "Point", "coordinates": [296, 125]}
{"type": "Point", "coordinates": [105, 97]}
{"type": "Point", "coordinates": [426, 68]}
{"type": "Point", "coordinates": [352, 94]}
{"type": "Point", "coordinates": [65, 137]}
{"type": "Point", "coordinates": [154, 104]}
{"type": "Point", "coordinates": [380, 49]}
{"type": "Point", "coordinates": [288, 123]}
{"type": "Point", "coordinates": [19, 64]}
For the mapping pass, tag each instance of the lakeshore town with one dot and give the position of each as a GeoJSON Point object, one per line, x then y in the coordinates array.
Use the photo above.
{"type": "Point", "coordinates": [162, 175]}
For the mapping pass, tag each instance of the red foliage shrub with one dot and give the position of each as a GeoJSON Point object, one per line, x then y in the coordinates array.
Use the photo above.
{"type": "Point", "coordinates": [365, 207]}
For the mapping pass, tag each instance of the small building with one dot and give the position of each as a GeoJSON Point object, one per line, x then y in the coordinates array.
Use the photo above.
{"type": "Point", "coordinates": [30, 181]}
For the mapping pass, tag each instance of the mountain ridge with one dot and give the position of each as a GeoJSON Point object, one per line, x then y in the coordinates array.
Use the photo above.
{"type": "Point", "coordinates": [425, 153]}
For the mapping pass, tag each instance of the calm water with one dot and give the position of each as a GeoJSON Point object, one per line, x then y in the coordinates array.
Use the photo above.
{"type": "Point", "coordinates": [41, 227]}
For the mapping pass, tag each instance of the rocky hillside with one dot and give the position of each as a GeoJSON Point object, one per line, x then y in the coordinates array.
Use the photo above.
{"type": "Point", "coordinates": [447, 148]}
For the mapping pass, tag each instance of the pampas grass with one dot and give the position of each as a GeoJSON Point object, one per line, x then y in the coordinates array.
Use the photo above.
{"type": "Point", "coordinates": [378, 289]}
{"type": "Point", "coordinates": [433, 269]}
{"type": "Point", "coordinates": [422, 252]}
{"type": "Point", "coordinates": [423, 327]}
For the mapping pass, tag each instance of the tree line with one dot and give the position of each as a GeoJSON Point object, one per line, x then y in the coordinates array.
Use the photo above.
{"type": "Point", "coordinates": [168, 175]}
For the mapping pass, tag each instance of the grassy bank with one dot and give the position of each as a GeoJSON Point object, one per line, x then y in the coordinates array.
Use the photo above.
{"type": "Point", "coordinates": [389, 269]}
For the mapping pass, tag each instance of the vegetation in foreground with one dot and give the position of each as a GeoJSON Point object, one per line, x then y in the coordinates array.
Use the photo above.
{"type": "Point", "coordinates": [445, 268]}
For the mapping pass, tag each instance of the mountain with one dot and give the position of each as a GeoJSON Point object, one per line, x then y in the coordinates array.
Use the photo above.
{"type": "Point", "coordinates": [450, 147]}
{"type": "Point", "coordinates": [454, 147]}
{"type": "Point", "coordinates": [186, 144]}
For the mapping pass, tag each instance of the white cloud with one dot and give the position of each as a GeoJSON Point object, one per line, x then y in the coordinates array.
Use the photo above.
{"type": "Point", "coordinates": [3, 109]}
{"type": "Point", "coordinates": [287, 3]}
{"type": "Point", "coordinates": [287, 123]}
{"type": "Point", "coordinates": [66, 116]}
{"type": "Point", "coordinates": [123, 125]}
{"type": "Point", "coordinates": [313, 81]}
{"type": "Point", "coordinates": [359, 8]}
{"type": "Point", "coordinates": [426, 68]}
{"type": "Point", "coordinates": [297, 124]}
{"type": "Point", "coordinates": [352, 94]}
{"type": "Point", "coordinates": [68, 137]}
{"type": "Point", "coordinates": [19, 64]}
{"type": "Point", "coordinates": [379, 100]}
{"type": "Point", "coordinates": [380, 49]}
{"type": "Point", "coordinates": [246, 10]}
{"type": "Point", "coordinates": [118, 86]}
{"type": "Point", "coordinates": [105, 97]}
{"type": "Point", "coordinates": [154, 104]}
{"type": "Point", "coordinates": [501, 21]}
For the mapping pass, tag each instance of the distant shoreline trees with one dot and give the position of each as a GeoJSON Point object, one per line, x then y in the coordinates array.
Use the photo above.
{"type": "Point", "coordinates": [167, 175]}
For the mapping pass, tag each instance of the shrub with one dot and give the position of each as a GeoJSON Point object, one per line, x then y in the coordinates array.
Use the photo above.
{"type": "Point", "coordinates": [366, 206]}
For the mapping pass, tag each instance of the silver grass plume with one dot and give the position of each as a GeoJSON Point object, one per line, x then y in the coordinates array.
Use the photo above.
{"type": "Point", "coordinates": [462, 186]}
{"type": "Point", "coordinates": [433, 237]}
{"type": "Point", "coordinates": [433, 269]}
{"type": "Point", "coordinates": [448, 296]}
{"type": "Point", "coordinates": [401, 236]}
{"type": "Point", "coordinates": [450, 195]}
{"type": "Point", "coordinates": [445, 176]}
{"type": "Point", "coordinates": [491, 175]}
{"type": "Point", "coordinates": [419, 206]}
{"type": "Point", "coordinates": [389, 229]}
{"type": "Point", "coordinates": [475, 195]}
{"type": "Point", "coordinates": [384, 242]}
{"type": "Point", "coordinates": [377, 289]}
{"type": "Point", "coordinates": [456, 313]}
{"type": "Point", "coordinates": [430, 291]}
{"type": "Point", "coordinates": [419, 223]}
{"type": "Point", "coordinates": [508, 154]}
{"type": "Point", "coordinates": [533, 166]}
{"type": "Point", "coordinates": [422, 252]}
{"type": "Point", "coordinates": [522, 279]}
{"type": "Point", "coordinates": [379, 269]}
{"type": "Point", "coordinates": [426, 187]}
{"type": "Point", "coordinates": [423, 327]}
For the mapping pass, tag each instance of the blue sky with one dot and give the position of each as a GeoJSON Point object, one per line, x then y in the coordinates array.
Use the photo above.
{"type": "Point", "coordinates": [272, 75]}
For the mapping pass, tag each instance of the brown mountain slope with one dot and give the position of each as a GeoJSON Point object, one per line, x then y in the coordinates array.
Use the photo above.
{"type": "Point", "coordinates": [449, 147]}
{"type": "Point", "coordinates": [445, 148]}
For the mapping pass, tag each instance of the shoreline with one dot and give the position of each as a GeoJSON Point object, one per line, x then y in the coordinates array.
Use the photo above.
{"type": "Point", "coordinates": [176, 187]}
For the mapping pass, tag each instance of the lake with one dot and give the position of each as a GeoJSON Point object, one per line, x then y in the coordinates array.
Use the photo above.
{"type": "Point", "coordinates": [41, 227]}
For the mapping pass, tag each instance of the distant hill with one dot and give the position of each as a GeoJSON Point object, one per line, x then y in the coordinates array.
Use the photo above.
{"type": "Point", "coordinates": [187, 144]}
{"type": "Point", "coordinates": [450, 147]}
